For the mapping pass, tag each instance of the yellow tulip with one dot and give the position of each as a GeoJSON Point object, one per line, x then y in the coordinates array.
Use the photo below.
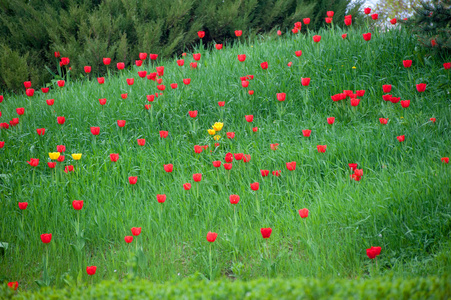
{"type": "Point", "coordinates": [218, 126]}
{"type": "Point", "coordinates": [211, 132]}
{"type": "Point", "coordinates": [54, 155]}
{"type": "Point", "coordinates": [76, 156]}
{"type": "Point", "coordinates": [217, 137]}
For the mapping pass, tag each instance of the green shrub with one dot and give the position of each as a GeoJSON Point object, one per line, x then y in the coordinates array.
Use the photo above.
{"type": "Point", "coordinates": [302, 288]}
{"type": "Point", "coordinates": [87, 31]}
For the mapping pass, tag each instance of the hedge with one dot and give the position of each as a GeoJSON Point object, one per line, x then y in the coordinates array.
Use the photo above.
{"type": "Point", "coordinates": [302, 288]}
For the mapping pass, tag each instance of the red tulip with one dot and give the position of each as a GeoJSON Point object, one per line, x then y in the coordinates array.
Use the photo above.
{"type": "Point", "coordinates": [291, 166]}
{"type": "Point", "coordinates": [407, 63]}
{"type": "Point", "coordinates": [274, 146]}
{"type": "Point", "coordinates": [447, 66]}
{"type": "Point", "coordinates": [174, 85]}
{"type": "Point", "coordinates": [245, 83]}
{"type": "Point", "coordinates": [192, 113]}
{"type": "Point", "coordinates": [2, 144]}
{"type": "Point", "coordinates": [61, 120]}
{"type": "Point", "coordinates": [218, 46]}
{"type": "Point", "coordinates": [421, 87]}
{"type": "Point", "coordinates": [281, 96]}
{"type": "Point", "coordinates": [401, 138]}
{"type": "Point", "coordinates": [228, 166]}
{"type": "Point", "coordinates": [239, 156]}
{"type": "Point", "coordinates": [46, 238]}
{"type": "Point", "coordinates": [64, 61]}
{"type": "Point", "coordinates": [251, 92]}
{"type": "Point", "coordinates": [91, 270]}
{"type": "Point", "coordinates": [197, 149]}
{"type": "Point", "coordinates": [102, 101]}
{"type": "Point", "coordinates": [230, 135]}
{"type": "Point", "coordinates": [128, 239]}
{"type": "Point", "coordinates": [330, 14]}
{"type": "Point", "coordinates": [386, 88]}
{"type": "Point", "coordinates": [348, 21]}
{"type": "Point", "coordinates": [255, 186]}
{"type": "Point", "coordinates": [114, 157]}
{"type": "Point", "coordinates": [211, 236]}
{"type": "Point", "coordinates": [142, 56]}
{"type": "Point", "coordinates": [249, 118]}
{"type": "Point", "coordinates": [352, 166]}
{"type": "Point", "coordinates": [29, 92]}
{"type": "Point", "coordinates": [142, 74]}
{"type": "Point", "coordinates": [20, 111]}
{"type": "Point", "coordinates": [197, 177]}
{"type": "Point", "coordinates": [405, 103]}
{"type": "Point", "coordinates": [106, 61]}
{"type": "Point", "coordinates": [51, 165]}
{"type": "Point", "coordinates": [164, 134]}
{"type": "Point", "coordinates": [147, 106]}
{"type": "Point", "coordinates": [276, 173]}
{"type": "Point", "coordinates": [69, 168]}
{"type": "Point", "coordinates": [246, 158]}
{"type": "Point", "coordinates": [61, 83]}
{"type": "Point", "coordinates": [264, 65]}
{"type": "Point", "coordinates": [196, 56]}
{"type": "Point", "coordinates": [321, 148]}
{"type": "Point", "coordinates": [23, 205]}
{"type": "Point", "coordinates": [124, 96]}
{"type": "Point", "coordinates": [152, 76]}
{"type": "Point", "coordinates": [95, 130]}
{"type": "Point", "coordinates": [44, 90]}
{"type": "Point", "coordinates": [13, 285]}
{"type": "Point", "coordinates": [344, 35]}
{"type": "Point", "coordinates": [187, 186]}
{"type": "Point", "coordinates": [255, 129]}
{"type": "Point", "coordinates": [14, 121]}
{"type": "Point", "coordinates": [61, 158]}
{"type": "Point", "coordinates": [87, 69]}
{"type": "Point", "coordinates": [120, 65]}
{"type": "Point", "coordinates": [217, 163]}
{"type": "Point", "coordinates": [160, 71]}
{"type": "Point", "coordinates": [168, 168]}
{"type": "Point", "coordinates": [161, 198]}
{"type": "Point", "coordinates": [266, 232]}
{"type": "Point", "coordinates": [4, 125]}
{"type": "Point", "coordinates": [373, 252]}
{"type": "Point", "coordinates": [328, 20]}
{"type": "Point", "coordinates": [77, 204]}
{"type": "Point", "coordinates": [228, 157]}
{"type": "Point", "coordinates": [161, 87]}
{"type": "Point", "coordinates": [141, 142]}
{"type": "Point", "coordinates": [367, 10]}
{"type": "Point", "coordinates": [130, 81]}
{"type": "Point", "coordinates": [298, 25]}
{"type": "Point", "coordinates": [40, 131]}
{"type": "Point", "coordinates": [432, 120]}
{"type": "Point", "coordinates": [306, 132]}
{"type": "Point", "coordinates": [360, 93]}
{"type": "Point", "coordinates": [331, 120]}
{"type": "Point", "coordinates": [264, 173]}
{"type": "Point", "coordinates": [57, 54]}
{"type": "Point", "coordinates": [305, 81]}
{"type": "Point", "coordinates": [303, 213]}
{"type": "Point", "coordinates": [153, 56]}
{"type": "Point", "coordinates": [238, 33]}
{"type": "Point", "coordinates": [383, 121]}
{"type": "Point", "coordinates": [374, 16]}
{"type": "Point", "coordinates": [132, 179]}
{"type": "Point", "coordinates": [101, 80]}
{"type": "Point", "coordinates": [201, 34]}
{"type": "Point", "coordinates": [121, 123]}
{"type": "Point", "coordinates": [445, 160]}
{"type": "Point", "coordinates": [193, 65]}
{"type": "Point", "coordinates": [298, 53]}
{"type": "Point", "coordinates": [393, 21]}
{"type": "Point", "coordinates": [221, 103]}
{"type": "Point", "coordinates": [234, 199]}
{"type": "Point", "coordinates": [367, 36]}
{"type": "Point", "coordinates": [394, 99]}
{"type": "Point", "coordinates": [241, 57]}
{"type": "Point", "coordinates": [50, 102]}
{"type": "Point", "coordinates": [355, 101]}
{"type": "Point", "coordinates": [138, 63]}
{"type": "Point", "coordinates": [316, 38]}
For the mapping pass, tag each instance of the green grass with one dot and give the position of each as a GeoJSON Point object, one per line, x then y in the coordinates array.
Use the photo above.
{"type": "Point", "coordinates": [402, 203]}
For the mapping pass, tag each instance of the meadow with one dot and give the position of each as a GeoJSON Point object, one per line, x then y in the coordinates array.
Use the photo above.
{"type": "Point", "coordinates": [399, 198]}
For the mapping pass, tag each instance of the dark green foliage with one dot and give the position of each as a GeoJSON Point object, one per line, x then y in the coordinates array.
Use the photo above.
{"type": "Point", "coordinates": [87, 31]}
{"type": "Point", "coordinates": [302, 288]}
{"type": "Point", "coordinates": [431, 24]}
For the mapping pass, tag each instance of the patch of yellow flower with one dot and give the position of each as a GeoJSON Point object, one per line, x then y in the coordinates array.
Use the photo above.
{"type": "Point", "coordinates": [76, 156]}
{"type": "Point", "coordinates": [54, 155]}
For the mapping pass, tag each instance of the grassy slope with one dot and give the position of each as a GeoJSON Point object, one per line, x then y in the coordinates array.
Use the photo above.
{"type": "Point", "coordinates": [402, 202]}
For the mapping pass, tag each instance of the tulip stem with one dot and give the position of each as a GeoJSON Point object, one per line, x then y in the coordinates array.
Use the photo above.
{"type": "Point", "coordinates": [258, 204]}
{"type": "Point", "coordinates": [211, 266]}
{"type": "Point", "coordinates": [197, 190]}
